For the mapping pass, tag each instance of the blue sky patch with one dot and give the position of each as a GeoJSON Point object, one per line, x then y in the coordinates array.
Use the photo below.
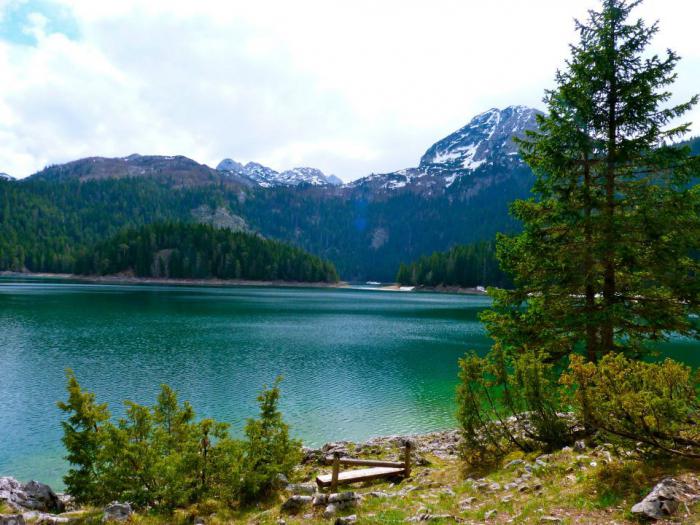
{"type": "Point", "coordinates": [15, 20]}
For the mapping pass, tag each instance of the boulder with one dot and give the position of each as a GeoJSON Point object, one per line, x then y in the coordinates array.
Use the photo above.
{"type": "Point", "coordinates": [296, 502]}
{"type": "Point", "coordinates": [319, 499]}
{"type": "Point", "coordinates": [340, 497]}
{"type": "Point", "coordinates": [29, 496]}
{"type": "Point", "coordinates": [11, 492]}
{"type": "Point", "coordinates": [41, 497]}
{"type": "Point", "coordinates": [513, 463]}
{"type": "Point", "coordinates": [311, 455]}
{"type": "Point", "coordinates": [664, 499]}
{"type": "Point", "coordinates": [11, 519]}
{"type": "Point", "coordinates": [50, 519]}
{"type": "Point", "coordinates": [301, 488]}
{"type": "Point", "coordinates": [346, 520]}
{"type": "Point", "coordinates": [330, 510]}
{"type": "Point", "coordinates": [117, 511]}
{"type": "Point", "coordinates": [280, 481]}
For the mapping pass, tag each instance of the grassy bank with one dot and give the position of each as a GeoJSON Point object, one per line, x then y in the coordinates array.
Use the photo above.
{"type": "Point", "coordinates": [595, 485]}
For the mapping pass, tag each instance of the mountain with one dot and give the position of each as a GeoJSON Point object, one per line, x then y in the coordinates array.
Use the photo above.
{"type": "Point", "coordinates": [177, 171]}
{"type": "Point", "coordinates": [268, 178]}
{"type": "Point", "coordinates": [458, 194]}
{"type": "Point", "coordinates": [486, 142]}
{"type": "Point", "coordinates": [5, 176]}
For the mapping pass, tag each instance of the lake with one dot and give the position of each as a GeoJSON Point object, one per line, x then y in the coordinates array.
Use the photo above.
{"type": "Point", "coordinates": [356, 363]}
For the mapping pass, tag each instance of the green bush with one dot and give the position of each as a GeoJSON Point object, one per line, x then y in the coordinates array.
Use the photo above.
{"type": "Point", "coordinates": [655, 404]}
{"type": "Point", "coordinates": [508, 401]}
{"type": "Point", "coordinates": [161, 456]}
{"type": "Point", "coordinates": [268, 450]}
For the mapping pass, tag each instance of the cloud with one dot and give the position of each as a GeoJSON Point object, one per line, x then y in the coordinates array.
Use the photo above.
{"type": "Point", "coordinates": [351, 88]}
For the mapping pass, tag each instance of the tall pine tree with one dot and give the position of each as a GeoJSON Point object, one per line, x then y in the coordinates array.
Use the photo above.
{"type": "Point", "coordinates": [607, 260]}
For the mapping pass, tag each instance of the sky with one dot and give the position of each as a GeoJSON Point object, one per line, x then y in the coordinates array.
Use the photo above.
{"type": "Point", "coordinates": [351, 88]}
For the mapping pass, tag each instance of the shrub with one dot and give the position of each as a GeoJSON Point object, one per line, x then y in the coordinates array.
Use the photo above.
{"type": "Point", "coordinates": [161, 456]}
{"type": "Point", "coordinates": [268, 450]}
{"type": "Point", "coordinates": [82, 438]}
{"type": "Point", "coordinates": [506, 402]}
{"type": "Point", "coordinates": [655, 404]}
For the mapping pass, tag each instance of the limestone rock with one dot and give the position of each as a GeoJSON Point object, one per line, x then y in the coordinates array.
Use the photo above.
{"type": "Point", "coordinates": [346, 520]}
{"type": "Point", "coordinates": [11, 519]}
{"type": "Point", "coordinates": [330, 510]}
{"type": "Point", "coordinates": [319, 499]}
{"type": "Point", "coordinates": [41, 497]}
{"type": "Point", "coordinates": [513, 463]}
{"type": "Point", "coordinates": [301, 488]}
{"type": "Point", "coordinates": [296, 502]}
{"type": "Point", "coordinates": [29, 496]}
{"type": "Point", "coordinates": [340, 497]}
{"type": "Point", "coordinates": [280, 481]}
{"type": "Point", "coordinates": [117, 511]}
{"type": "Point", "coordinates": [665, 498]}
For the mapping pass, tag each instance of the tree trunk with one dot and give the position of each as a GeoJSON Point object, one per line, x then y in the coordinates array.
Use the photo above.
{"type": "Point", "coordinates": [609, 270]}
{"type": "Point", "coordinates": [591, 328]}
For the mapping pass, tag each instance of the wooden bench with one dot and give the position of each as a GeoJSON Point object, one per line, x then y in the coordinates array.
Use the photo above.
{"type": "Point", "coordinates": [379, 469]}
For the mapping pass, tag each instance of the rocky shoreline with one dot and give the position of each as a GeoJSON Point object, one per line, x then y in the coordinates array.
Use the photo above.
{"type": "Point", "coordinates": [518, 479]}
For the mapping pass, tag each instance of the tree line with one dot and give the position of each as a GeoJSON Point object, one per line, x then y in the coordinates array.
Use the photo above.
{"type": "Point", "coordinates": [185, 250]}
{"type": "Point", "coordinates": [466, 266]}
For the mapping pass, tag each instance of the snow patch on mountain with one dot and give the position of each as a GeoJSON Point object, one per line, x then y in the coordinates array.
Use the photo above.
{"type": "Point", "coordinates": [487, 140]}
{"type": "Point", "coordinates": [267, 177]}
{"type": "Point", "coordinates": [5, 176]}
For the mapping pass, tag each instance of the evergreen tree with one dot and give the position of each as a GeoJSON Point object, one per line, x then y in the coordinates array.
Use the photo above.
{"type": "Point", "coordinates": [605, 262]}
{"type": "Point", "coordinates": [269, 451]}
{"type": "Point", "coordinates": [82, 437]}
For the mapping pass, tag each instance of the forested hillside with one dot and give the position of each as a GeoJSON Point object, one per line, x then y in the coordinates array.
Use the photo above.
{"type": "Point", "coordinates": [465, 266]}
{"type": "Point", "coordinates": [177, 250]}
{"type": "Point", "coordinates": [45, 224]}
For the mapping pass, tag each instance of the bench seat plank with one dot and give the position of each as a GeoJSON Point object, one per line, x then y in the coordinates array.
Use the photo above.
{"type": "Point", "coordinates": [354, 476]}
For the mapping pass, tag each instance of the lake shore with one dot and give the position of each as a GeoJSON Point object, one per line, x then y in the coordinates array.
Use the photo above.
{"type": "Point", "coordinates": [434, 289]}
{"type": "Point", "coordinates": [132, 279]}
{"type": "Point", "coordinates": [560, 486]}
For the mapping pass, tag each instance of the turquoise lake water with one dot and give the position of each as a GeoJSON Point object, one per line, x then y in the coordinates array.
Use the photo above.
{"type": "Point", "coordinates": [356, 363]}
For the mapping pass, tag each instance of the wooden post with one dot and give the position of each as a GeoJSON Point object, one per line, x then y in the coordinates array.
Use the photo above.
{"type": "Point", "coordinates": [407, 458]}
{"type": "Point", "coordinates": [336, 471]}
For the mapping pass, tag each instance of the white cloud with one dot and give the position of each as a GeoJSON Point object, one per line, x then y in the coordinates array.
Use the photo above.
{"type": "Point", "coordinates": [351, 88]}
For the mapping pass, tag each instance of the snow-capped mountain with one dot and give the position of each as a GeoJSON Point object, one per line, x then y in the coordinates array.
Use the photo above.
{"type": "Point", "coordinates": [267, 177]}
{"type": "Point", "coordinates": [486, 141]}
{"type": "Point", "coordinates": [5, 176]}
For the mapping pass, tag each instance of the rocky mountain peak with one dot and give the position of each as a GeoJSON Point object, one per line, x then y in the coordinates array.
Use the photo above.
{"type": "Point", "coordinates": [5, 176]}
{"type": "Point", "coordinates": [267, 177]}
{"type": "Point", "coordinates": [484, 145]}
{"type": "Point", "coordinates": [487, 138]}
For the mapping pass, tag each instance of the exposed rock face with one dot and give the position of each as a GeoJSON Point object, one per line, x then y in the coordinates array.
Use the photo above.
{"type": "Point", "coordinates": [267, 177]}
{"type": "Point", "coordinates": [487, 138]}
{"type": "Point", "coordinates": [220, 218]}
{"type": "Point", "coordinates": [29, 496]}
{"type": "Point", "coordinates": [117, 511]}
{"type": "Point", "coordinates": [484, 146]}
{"type": "Point", "coordinates": [665, 498]}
